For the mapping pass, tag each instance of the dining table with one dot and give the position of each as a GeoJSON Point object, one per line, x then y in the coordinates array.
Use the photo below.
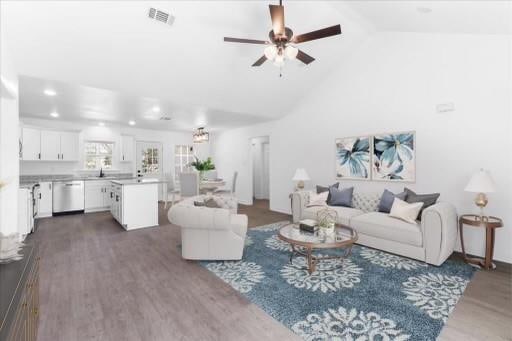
{"type": "Point", "coordinates": [210, 185]}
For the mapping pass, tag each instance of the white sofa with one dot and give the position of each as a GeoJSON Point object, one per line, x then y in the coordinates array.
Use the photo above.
{"type": "Point", "coordinates": [432, 240]}
{"type": "Point", "coordinates": [209, 233]}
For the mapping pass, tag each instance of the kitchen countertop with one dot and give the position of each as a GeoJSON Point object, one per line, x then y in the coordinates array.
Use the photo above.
{"type": "Point", "coordinates": [139, 181]}
{"type": "Point", "coordinates": [30, 180]}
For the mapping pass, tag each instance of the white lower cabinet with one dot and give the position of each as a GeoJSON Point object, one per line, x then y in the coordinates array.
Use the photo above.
{"type": "Point", "coordinates": [97, 195]}
{"type": "Point", "coordinates": [45, 200]}
{"type": "Point", "coordinates": [135, 206]}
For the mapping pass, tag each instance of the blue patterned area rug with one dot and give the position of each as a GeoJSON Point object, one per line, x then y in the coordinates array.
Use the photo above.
{"type": "Point", "coordinates": [373, 296]}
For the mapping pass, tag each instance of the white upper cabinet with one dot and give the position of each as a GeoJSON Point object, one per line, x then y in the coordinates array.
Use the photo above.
{"type": "Point", "coordinates": [31, 144]}
{"type": "Point", "coordinates": [69, 146]}
{"type": "Point", "coordinates": [127, 148]}
{"type": "Point", "coordinates": [50, 145]}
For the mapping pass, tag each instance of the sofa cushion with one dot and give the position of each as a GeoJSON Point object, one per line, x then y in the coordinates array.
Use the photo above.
{"type": "Point", "coordinates": [321, 189]}
{"type": "Point", "coordinates": [380, 225]}
{"type": "Point", "coordinates": [387, 199]}
{"type": "Point", "coordinates": [345, 214]}
{"type": "Point", "coordinates": [341, 197]}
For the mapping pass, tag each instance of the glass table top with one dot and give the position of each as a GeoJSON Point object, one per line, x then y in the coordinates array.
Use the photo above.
{"type": "Point", "coordinates": [342, 234]}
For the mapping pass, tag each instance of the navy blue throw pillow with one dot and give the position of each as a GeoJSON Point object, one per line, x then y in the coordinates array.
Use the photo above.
{"type": "Point", "coordinates": [340, 197]}
{"type": "Point", "coordinates": [387, 199]}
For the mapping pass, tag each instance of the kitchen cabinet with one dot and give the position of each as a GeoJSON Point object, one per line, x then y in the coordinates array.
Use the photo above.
{"type": "Point", "coordinates": [49, 145]}
{"type": "Point", "coordinates": [69, 146]}
{"type": "Point", "coordinates": [97, 196]}
{"type": "Point", "coordinates": [31, 144]}
{"type": "Point", "coordinates": [127, 148]}
{"type": "Point", "coordinates": [45, 200]}
{"type": "Point", "coordinates": [135, 204]}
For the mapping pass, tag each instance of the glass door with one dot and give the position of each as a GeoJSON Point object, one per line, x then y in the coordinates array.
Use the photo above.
{"type": "Point", "coordinates": [149, 159]}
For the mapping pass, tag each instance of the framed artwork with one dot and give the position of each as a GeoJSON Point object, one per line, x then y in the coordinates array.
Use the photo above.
{"type": "Point", "coordinates": [353, 158]}
{"type": "Point", "coordinates": [394, 157]}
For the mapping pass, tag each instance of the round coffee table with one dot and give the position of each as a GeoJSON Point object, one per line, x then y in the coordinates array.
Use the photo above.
{"type": "Point", "coordinates": [304, 243]}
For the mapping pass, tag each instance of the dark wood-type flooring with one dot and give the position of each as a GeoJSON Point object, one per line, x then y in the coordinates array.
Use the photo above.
{"type": "Point", "coordinates": [99, 282]}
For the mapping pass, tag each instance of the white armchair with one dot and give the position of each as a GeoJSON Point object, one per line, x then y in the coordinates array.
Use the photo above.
{"type": "Point", "coordinates": [209, 233]}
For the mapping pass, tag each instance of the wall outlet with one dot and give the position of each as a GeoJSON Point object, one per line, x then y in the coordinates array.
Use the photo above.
{"type": "Point", "coordinates": [445, 107]}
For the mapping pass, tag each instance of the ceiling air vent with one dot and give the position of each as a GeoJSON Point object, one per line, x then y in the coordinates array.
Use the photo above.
{"type": "Point", "coordinates": [165, 118]}
{"type": "Point", "coordinates": [161, 16]}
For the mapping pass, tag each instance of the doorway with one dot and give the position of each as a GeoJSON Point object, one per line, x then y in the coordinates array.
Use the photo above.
{"type": "Point", "coordinates": [149, 159]}
{"type": "Point", "coordinates": [260, 152]}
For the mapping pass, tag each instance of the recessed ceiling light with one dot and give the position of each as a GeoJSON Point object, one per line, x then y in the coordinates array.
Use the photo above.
{"type": "Point", "coordinates": [50, 92]}
{"type": "Point", "coordinates": [424, 10]}
{"type": "Point", "coordinates": [54, 114]}
{"type": "Point", "coordinates": [101, 124]}
{"type": "Point", "coordinates": [132, 123]}
{"type": "Point", "coordinates": [156, 108]}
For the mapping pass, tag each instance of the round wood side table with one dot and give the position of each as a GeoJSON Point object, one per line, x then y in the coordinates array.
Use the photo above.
{"type": "Point", "coordinates": [490, 224]}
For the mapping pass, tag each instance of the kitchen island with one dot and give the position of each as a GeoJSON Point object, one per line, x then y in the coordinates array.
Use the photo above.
{"type": "Point", "coordinates": [134, 202]}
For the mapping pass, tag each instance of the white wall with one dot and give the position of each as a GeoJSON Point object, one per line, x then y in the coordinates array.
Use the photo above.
{"type": "Point", "coordinates": [231, 151]}
{"type": "Point", "coordinates": [393, 82]}
{"type": "Point", "coordinates": [8, 142]}
{"type": "Point", "coordinates": [111, 134]}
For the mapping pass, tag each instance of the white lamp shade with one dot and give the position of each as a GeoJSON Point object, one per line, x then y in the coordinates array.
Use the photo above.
{"type": "Point", "coordinates": [481, 182]}
{"type": "Point", "coordinates": [300, 175]}
{"type": "Point", "coordinates": [291, 52]}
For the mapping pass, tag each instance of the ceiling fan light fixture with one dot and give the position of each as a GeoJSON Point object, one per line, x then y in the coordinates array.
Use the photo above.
{"type": "Point", "coordinates": [291, 52]}
{"type": "Point", "coordinates": [279, 60]}
{"type": "Point", "coordinates": [270, 52]}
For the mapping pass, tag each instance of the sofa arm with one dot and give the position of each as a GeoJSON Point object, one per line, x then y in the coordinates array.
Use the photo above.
{"type": "Point", "coordinates": [299, 201]}
{"type": "Point", "coordinates": [239, 224]}
{"type": "Point", "coordinates": [439, 228]}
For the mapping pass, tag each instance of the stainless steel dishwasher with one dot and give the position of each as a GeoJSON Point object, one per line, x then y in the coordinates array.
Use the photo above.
{"type": "Point", "coordinates": [68, 196]}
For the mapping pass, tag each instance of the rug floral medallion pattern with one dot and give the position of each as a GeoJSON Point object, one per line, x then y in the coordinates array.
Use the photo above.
{"type": "Point", "coordinates": [371, 295]}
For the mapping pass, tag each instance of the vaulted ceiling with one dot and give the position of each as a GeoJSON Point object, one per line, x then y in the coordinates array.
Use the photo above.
{"type": "Point", "coordinates": [108, 61]}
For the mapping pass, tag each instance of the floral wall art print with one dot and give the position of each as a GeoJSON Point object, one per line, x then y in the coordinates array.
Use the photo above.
{"type": "Point", "coordinates": [394, 157]}
{"type": "Point", "coordinates": [353, 158]}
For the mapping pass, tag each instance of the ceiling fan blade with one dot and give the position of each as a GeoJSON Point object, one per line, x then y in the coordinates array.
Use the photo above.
{"type": "Point", "coordinates": [247, 41]}
{"type": "Point", "coordinates": [277, 16]}
{"type": "Point", "coordinates": [319, 34]}
{"type": "Point", "coordinates": [304, 57]}
{"type": "Point", "coordinates": [260, 61]}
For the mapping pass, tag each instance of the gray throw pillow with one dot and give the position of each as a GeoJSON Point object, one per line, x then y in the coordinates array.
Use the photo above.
{"type": "Point", "coordinates": [341, 197]}
{"type": "Point", "coordinates": [426, 199]}
{"type": "Point", "coordinates": [387, 198]}
{"type": "Point", "coordinates": [321, 189]}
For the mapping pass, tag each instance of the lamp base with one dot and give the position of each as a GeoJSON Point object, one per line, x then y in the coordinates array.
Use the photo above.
{"type": "Point", "coordinates": [300, 185]}
{"type": "Point", "coordinates": [481, 201]}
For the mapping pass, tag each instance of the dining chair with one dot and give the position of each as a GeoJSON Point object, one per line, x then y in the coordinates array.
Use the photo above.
{"type": "Point", "coordinates": [189, 184]}
{"type": "Point", "coordinates": [172, 191]}
{"type": "Point", "coordinates": [230, 191]}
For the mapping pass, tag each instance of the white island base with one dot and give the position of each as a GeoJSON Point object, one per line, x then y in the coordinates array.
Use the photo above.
{"type": "Point", "coordinates": [135, 203]}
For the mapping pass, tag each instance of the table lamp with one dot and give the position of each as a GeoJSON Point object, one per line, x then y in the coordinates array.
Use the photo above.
{"type": "Point", "coordinates": [300, 175]}
{"type": "Point", "coordinates": [481, 183]}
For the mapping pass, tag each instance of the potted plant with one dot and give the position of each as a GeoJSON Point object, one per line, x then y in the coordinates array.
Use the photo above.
{"type": "Point", "coordinates": [203, 166]}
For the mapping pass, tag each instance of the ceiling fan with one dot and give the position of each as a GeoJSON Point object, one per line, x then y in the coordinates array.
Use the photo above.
{"type": "Point", "coordinates": [281, 39]}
